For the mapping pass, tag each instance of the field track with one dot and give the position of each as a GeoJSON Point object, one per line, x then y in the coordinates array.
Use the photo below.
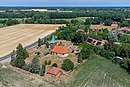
{"type": "Point", "coordinates": [25, 34]}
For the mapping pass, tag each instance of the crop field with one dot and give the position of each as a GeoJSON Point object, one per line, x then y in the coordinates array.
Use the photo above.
{"type": "Point", "coordinates": [25, 34]}
{"type": "Point", "coordinates": [98, 72]}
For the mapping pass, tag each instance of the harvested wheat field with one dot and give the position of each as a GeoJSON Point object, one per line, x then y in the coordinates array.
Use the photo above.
{"type": "Point", "coordinates": [25, 34]}
{"type": "Point", "coordinates": [101, 27]}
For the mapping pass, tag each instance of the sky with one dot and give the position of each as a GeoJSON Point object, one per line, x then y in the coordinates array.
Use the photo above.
{"type": "Point", "coordinates": [64, 2]}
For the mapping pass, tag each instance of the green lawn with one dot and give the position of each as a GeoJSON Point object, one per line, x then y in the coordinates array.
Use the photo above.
{"type": "Point", "coordinates": [99, 72]}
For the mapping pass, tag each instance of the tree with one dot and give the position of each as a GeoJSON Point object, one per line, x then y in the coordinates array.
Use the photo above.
{"type": "Point", "coordinates": [42, 41]}
{"type": "Point", "coordinates": [112, 36]}
{"type": "Point", "coordinates": [17, 58]}
{"type": "Point", "coordinates": [39, 42]}
{"type": "Point", "coordinates": [13, 57]}
{"type": "Point", "coordinates": [88, 21]}
{"type": "Point", "coordinates": [117, 50]}
{"type": "Point", "coordinates": [34, 66]}
{"type": "Point", "coordinates": [67, 65]}
{"type": "Point", "coordinates": [47, 44]}
{"type": "Point", "coordinates": [78, 38]}
{"type": "Point", "coordinates": [44, 67]}
{"type": "Point", "coordinates": [124, 24]}
{"type": "Point", "coordinates": [108, 22]}
{"type": "Point", "coordinates": [19, 61]}
{"type": "Point", "coordinates": [54, 65]}
{"type": "Point", "coordinates": [86, 51]}
{"type": "Point", "coordinates": [26, 53]}
{"type": "Point", "coordinates": [49, 62]}
{"type": "Point", "coordinates": [79, 59]}
{"type": "Point", "coordinates": [21, 51]}
{"type": "Point", "coordinates": [45, 62]}
{"type": "Point", "coordinates": [74, 21]}
{"type": "Point", "coordinates": [10, 22]}
{"type": "Point", "coordinates": [124, 38]}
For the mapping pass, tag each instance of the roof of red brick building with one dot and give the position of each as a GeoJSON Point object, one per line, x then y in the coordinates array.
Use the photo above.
{"type": "Point", "coordinates": [54, 71]}
{"type": "Point", "coordinates": [60, 49]}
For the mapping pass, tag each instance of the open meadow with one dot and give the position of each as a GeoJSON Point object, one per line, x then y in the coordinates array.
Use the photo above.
{"type": "Point", "coordinates": [101, 27]}
{"type": "Point", "coordinates": [25, 34]}
{"type": "Point", "coordinates": [12, 78]}
{"type": "Point", "coordinates": [77, 18]}
{"type": "Point", "coordinates": [98, 72]}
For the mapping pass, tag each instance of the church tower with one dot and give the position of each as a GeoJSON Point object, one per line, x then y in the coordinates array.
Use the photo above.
{"type": "Point", "coordinates": [53, 42]}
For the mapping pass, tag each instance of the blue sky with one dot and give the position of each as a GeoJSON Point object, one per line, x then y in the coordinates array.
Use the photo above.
{"type": "Point", "coordinates": [66, 2]}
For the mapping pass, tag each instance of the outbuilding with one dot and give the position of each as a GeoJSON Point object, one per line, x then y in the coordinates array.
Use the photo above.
{"type": "Point", "coordinates": [54, 71]}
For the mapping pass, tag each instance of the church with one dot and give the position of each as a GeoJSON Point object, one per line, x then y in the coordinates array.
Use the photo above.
{"type": "Point", "coordinates": [60, 51]}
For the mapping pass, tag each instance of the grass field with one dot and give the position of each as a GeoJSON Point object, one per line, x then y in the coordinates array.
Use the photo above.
{"type": "Point", "coordinates": [78, 18]}
{"type": "Point", "coordinates": [25, 34]}
{"type": "Point", "coordinates": [10, 18]}
{"type": "Point", "coordinates": [99, 72]}
{"type": "Point", "coordinates": [11, 78]}
{"type": "Point", "coordinates": [101, 26]}
{"type": "Point", "coordinates": [1, 25]}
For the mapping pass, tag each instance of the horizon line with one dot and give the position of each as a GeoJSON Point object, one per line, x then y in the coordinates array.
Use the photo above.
{"type": "Point", "coordinates": [64, 5]}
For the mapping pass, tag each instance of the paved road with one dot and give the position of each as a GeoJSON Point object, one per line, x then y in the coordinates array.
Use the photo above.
{"type": "Point", "coordinates": [8, 57]}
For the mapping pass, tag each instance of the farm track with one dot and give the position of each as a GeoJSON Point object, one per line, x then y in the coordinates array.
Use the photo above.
{"type": "Point", "coordinates": [25, 34]}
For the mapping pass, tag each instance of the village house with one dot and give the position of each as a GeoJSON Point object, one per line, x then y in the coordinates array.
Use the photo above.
{"type": "Point", "coordinates": [95, 42]}
{"type": "Point", "coordinates": [121, 31]}
{"type": "Point", "coordinates": [115, 25]}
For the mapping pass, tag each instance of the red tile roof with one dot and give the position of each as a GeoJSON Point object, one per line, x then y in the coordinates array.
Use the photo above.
{"type": "Point", "coordinates": [53, 71]}
{"type": "Point", "coordinates": [59, 49]}
{"type": "Point", "coordinates": [126, 29]}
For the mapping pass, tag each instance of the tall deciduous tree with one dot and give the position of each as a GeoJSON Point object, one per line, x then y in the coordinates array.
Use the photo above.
{"type": "Point", "coordinates": [19, 61]}
{"type": "Point", "coordinates": [67, 65]}
{"type": "Point", "coordinates": [34, 66]}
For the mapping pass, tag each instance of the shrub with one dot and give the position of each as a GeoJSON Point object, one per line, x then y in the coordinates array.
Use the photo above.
{"type": "Point", "coordinates": [46, 53]}
{"type": "Point", "coordinates": [25, 67]}
{"type": "Point", "coordinates": [42, 73]}
{"type": "Point", "coordinates": [47, 44]}
{"type": "Point", "coordinates": [79, 60]}
{"type": "Point", "coordinates": [67, 65]}
{"type": "Point", "coordinates": [44, 67]}
{"type": "Point", "coordinates": [54, 65]}
{"type": "Point", "coordinates": [38, 53]}
{"type": "Point", "coordinates": [49, 62]}
{"type": "Point", "coordinates": [45, 62]}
